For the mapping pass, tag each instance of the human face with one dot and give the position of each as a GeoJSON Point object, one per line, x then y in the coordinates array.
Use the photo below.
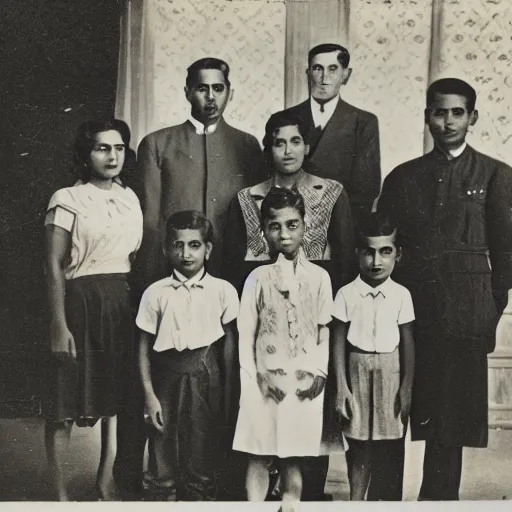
{"type": "Point", "coordinates": [326, 76]}
{"type": "Point", "coordinates": [107, 156]}
{"type": "Point", "coordinates": [288, 150]}
{"type": "Point", "coordinates": [187, 251]}
{"type": "Point", "coordinates": [209, 96]}
{"type": "Point", "coordinates": [448, 120]}
{"type": "Point", "coordinates": [284, 231]}
{"type": "Point", "coordinates": [377, 260]}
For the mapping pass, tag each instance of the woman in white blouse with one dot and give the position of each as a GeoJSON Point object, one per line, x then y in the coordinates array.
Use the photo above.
{"type": "Point", "coordinates": [93, 231]}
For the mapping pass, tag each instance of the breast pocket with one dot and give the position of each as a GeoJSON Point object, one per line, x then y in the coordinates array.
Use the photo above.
{"type": "Point", "coordinates": [474, 200]}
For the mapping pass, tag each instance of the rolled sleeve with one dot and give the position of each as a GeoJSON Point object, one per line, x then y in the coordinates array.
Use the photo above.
{"type": "Point", "coordinates": [406, 313]}
{"type": "Point", "coordinates": [231, 304]}
{"type": "Point", "coordinates": [340, 310]}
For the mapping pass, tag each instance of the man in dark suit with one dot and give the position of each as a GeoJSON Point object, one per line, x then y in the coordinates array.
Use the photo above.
{"type": "Point", "coordinates": [343, 139]}
{"type": "Point", "coordinates": [344, 146]}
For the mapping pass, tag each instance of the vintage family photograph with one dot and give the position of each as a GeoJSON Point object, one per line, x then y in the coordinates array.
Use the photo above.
{"type": "Point", "coordinates": [256, 251]}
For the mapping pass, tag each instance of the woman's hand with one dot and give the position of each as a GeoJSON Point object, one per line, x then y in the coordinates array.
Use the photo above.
{"type": "Point", "coordinates": [343, 400]}
{"type": "Point", "coordinates": [316, 388]}
{"type": "Point", "coordinates": [62, 343]}
{"type": "Point", "coordinates": [154, 412]}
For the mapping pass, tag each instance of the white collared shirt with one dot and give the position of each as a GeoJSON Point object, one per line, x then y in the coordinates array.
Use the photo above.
{"type": "Point", "coordinates": [322, 118]}
{"type": "Point", "coordinates": [200, 127]}
{"type": "Point", "coordinates": [187, 313]}
{"type": "Point", "coordinates": [374, 314]}
{"type": "Point", "coordinates": [454, 153]}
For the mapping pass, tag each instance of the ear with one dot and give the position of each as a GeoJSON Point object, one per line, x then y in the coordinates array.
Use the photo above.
{"type": "Point", "coordinates": [346, 75]}
{"type": "Point", "coordinates": [473, 117]}
{"type": "Point", "coordinates": [306, 149]}
{"type": "Point", "coordinates": [426, 115]}
{"type": "Point", "coordinates": [209, 247]}
{"type": "Point", "coordinates": [398, 254]}
{"type": "Point", "coordinates": [231, 95]}
{"type": "Point", "coordinates": [187, 92]}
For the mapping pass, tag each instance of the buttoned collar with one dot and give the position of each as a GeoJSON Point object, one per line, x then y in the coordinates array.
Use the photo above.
{"type": "Point", "coordinates": [178, 280]}
{"type": "Point", "coordinates": [365, 289]}
{"type": "Point", "coordinates": [200, 127]}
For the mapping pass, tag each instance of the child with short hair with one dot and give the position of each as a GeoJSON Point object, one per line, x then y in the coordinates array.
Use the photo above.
{"type": "Point", "coordinates": [373, 323]}
{"type": "Point", "coordinates": [284, 352]}
{"type": "Point", "coordinates": [181, 319]}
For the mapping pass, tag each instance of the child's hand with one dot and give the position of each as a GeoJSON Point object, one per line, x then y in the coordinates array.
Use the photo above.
{"type": "Point", "coordinates": [62, 343]}
{"type": "Point", "coordinates": [404, 403]}
{"type": "Point", "coordinates": [268, 391]}
{"type": "Point", "coordinates": [316, 388]}
{"type": "Point", "coordinates": [343, 400]}
{"type": "Point", "coordinates": [154, 411]}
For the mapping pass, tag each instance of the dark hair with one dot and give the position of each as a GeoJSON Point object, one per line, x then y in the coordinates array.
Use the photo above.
{"type": "Point", "coordinates": [189, 219]}
{"type": "Point", "coordinates": [374, 224]}
{"type": "Point", "coordinates": [207, 63]}
{"type": "Point", "coordinates": [343, 56]}
{"type": "Point", "coordinates": [279, 120]}
{"type": "Point", "coordinates": [278, 198]}
{"type": "Point", "coordinates": [452, 86]}
{"type": "Point", "coordinates": [86, 138]}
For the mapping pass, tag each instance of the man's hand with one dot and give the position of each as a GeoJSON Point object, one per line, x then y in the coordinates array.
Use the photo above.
{"type": "Point", "coordinates": [343, 400]}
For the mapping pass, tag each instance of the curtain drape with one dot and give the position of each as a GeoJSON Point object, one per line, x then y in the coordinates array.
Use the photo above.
{"type": "Point", "coordinates": [398, 47]}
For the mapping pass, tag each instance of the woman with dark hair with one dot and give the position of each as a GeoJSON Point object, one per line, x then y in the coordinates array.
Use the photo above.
{"type": "Point", "coordinates": [93, 231]}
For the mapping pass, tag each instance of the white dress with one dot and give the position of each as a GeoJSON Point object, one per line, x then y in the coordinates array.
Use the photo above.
{"type": "Point", "coordinates": [281, 311]}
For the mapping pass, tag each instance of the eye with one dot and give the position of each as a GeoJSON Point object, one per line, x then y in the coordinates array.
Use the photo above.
{"type": "Point", "coordinates": [333, 69]}
{"type": "Point", "coordinates": [386, 251]}
{"type": "Point", "coordinates": [195, 245]}
{"type": "Point", "coordinates": [201, 88]}
{"type": "Point", "coordinates": [458, 112]}
{"type": "Point", "coordinates": [293, 225]}
{"type": "Point", "coordinates": [317, 68]}
{"type": "Point", "coordinates": [279, 143]}
{"type": "Point", "coordinates": [296, 141]}
{"type": "Point", "coordinates": [120, 148]}
{"type": "Point", "coordinates": [102, 148]}
{"type": "Point", "coordinates": [273, 226]}
{"type": "Point", "coordinates": [219, 88]}
{"type": "Point", "coordinates": [438, 113]}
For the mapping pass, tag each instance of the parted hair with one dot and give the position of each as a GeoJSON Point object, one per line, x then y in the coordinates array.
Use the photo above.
{"type": "Point", "coordinates": [86, 138]}
{"type": "Point", "coordinates": [452, 86]}
{"type": "Point", "coordinates": [343, 56]}
{"type": "Point", "coordinates": [206, 63]}
{"type": "Point", "coordinates": [188, 219]}
{"type": "Point", "coordinates": [278, 198]}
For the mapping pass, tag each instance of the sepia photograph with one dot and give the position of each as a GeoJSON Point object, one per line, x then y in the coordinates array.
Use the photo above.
{"type": "Point", "coordinates": [256, 252]}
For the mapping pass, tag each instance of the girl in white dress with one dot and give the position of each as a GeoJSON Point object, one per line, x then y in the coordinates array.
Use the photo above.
{"type": "Point", "coordinates": [93, 231]}
{"type": "Point", "coordinates": [284, 351]}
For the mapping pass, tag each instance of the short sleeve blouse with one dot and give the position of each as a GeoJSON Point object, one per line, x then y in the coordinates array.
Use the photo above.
{"type": "Point", "coordinates": [105, 227]}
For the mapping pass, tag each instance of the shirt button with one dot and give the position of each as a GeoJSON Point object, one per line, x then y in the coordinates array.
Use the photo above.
{"type": "Point", "coordinates": [214, 199]}
{"type": "Point", "coordinates": [440, 180]}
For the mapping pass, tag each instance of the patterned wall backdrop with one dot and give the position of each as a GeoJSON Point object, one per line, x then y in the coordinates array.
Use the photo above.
{"type": "Point", "coordinates": [248, 34]}
{"type": "Point", "coordinates": [475, 44]}
{"type": "Point", "coordinates": [390, 45]}
{"type": "Point", "coordinates": [398, 47]}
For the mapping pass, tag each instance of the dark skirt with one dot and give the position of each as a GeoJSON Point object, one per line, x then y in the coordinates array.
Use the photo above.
{"type": "Point", "coordinates": [99, 316]}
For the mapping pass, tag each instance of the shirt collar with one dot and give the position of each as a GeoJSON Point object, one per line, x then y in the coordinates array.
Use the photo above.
{"type": "Point", "coordinates": [365, 289]}
{"type": "Point", "coordinates": [301, 259]}
{"type": "Point", "coordinates": [454, 153]}
{"type": "Point", "coordinates": [329, 106]}
{"type": "Point", "coordinates": [200, 127]}
{"type": "Point", "coordinates": [179, 280]}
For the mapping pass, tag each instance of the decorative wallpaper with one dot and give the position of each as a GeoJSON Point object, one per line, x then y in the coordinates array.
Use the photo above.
{"type": "Point", "coordinates": [475, 45]}
{"type": "Point", "coordinates": [397, 47]}
{"type": "Point", "coordinates": [249, 35]}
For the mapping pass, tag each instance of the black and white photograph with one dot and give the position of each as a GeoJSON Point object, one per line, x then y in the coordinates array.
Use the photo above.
{"type": "Point", "coordinates": [256, 251]}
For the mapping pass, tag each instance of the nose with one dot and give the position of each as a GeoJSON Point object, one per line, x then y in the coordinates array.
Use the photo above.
{"type": "Point", "coordinates": [449, 119]}
{"type": "Point", "coordinates": [285, 233]}
{"type": "Point", "coordinates": [377, 259]}
{"type": "Point", "coordinates": [185, 252]}
{"type": "Point", "coordinates": [209, 93]}
{"type": "Point", "coordinates": [287, 149]}
{"type": "Point", "coordinates": [113, 155]}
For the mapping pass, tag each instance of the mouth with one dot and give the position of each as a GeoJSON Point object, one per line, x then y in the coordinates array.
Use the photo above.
{"type": "Point", "coordinates": [187, 263]}
{"type": "Point", "coordinates": [377, 271]}
{"type": "Point", "coordinates": [210, 109]}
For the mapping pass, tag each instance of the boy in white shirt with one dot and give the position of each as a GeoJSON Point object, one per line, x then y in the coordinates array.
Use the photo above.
{"type": "Point", "coordinates": [181, 318]}
{"type": "Point", "coordinates": [373, 325]}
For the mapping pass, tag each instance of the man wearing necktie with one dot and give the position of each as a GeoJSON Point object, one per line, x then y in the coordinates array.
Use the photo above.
{"type": "Point", "coordinates": [343, 139]}
{"type": "Point", "coordinates": [197, 165]}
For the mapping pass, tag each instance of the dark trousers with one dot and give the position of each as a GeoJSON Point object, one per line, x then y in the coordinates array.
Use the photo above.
{"type": "Point", "coordinates": [442, 470]}
{"type": "Point", "coordinates": [131, 442]}
{"type": "Point", "coordinates": [314, 475]}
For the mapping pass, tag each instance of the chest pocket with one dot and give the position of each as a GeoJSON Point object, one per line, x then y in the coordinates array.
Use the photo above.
{"type": "Point", "coordinates": [474, 200]}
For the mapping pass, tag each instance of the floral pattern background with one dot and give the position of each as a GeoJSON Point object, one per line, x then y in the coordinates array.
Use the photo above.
{"type": "Point", "coordinates": [398, 47]}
